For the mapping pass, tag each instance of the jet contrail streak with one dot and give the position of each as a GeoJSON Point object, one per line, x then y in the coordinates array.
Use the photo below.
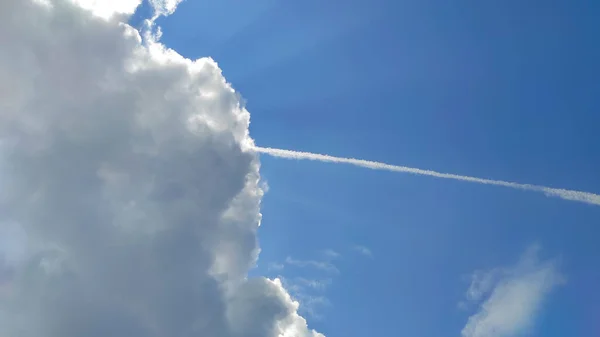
{"type": "Point", "coordinates": [579, 196]}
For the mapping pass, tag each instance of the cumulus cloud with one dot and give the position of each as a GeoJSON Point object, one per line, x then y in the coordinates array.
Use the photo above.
{"type": "Point", "coordinates": [127, 167]}
{"type": "Point", "coordinates": [104, 8]}
{"type": "Point", "coordinates": [511, 296]}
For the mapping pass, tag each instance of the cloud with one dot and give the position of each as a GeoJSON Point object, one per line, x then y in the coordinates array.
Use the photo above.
{"type": "Point", "coordinates": [309, 290]}
{"type": "Point", "coordinates": [314, 284]}
{"type": "Point", "coordinates": [363, 250]}
{"type": "Point", "coordinates": [331, 254]}
{"type": "Point", "coordinates": [165, 7]}
{"type": "Point", "coordinates": [276, 266]}
{"type": "Point", "coordinates": [321, 265]}
{"type": "Point", "coordinates": [105, 8]}
{"type": "Point", "coordinates": [512, 296]}
{"type": "Point", "coordinates": [304, 290]}
{"type": "Point", "coordinates": [12, 243]}
{"type": "Point", "coordinates": [312, 305]}
{"type": "Point", "coordinates": [127, 166]}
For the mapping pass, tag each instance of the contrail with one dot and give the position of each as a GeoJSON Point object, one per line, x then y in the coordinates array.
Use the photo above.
{"type": "Point", "coordinates": [579, 196]}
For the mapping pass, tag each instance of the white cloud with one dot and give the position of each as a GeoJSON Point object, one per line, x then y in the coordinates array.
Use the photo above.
{"type": "Point", "coordinates": [363, 250]}
{"type": "Point", "coordinates": [165, 7]}
{"type": "Point", "coordinates": [313, 306]}
{"type": "Point", "coordinates": [303, 290]}
{"type": "Point", "coordinates": [322, 265]}
{"type": "Point", "coordinates": [126, 166]}
{"type": "Point", "coordinates": [275, 266]}
{"type": "Point", "coordinates": [106, 8]}
{"type": "Point", "coordinates": [481, 283]}
{"type": "Point", "coordinates": [331, 254]}
{"type": "Point", "coordinates": [309, 290]}
{"type": "Point", "coordinates": [512, 297]}
{"type": "Point", "coordinates": [317, 284]}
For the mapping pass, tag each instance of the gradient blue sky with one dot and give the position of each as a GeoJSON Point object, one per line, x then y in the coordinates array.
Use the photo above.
{"type": "Point", "coordinates": [503, 90]}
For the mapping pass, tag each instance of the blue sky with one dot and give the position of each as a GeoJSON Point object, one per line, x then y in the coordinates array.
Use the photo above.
{"type": "Point", "coordinates": [507, 90]}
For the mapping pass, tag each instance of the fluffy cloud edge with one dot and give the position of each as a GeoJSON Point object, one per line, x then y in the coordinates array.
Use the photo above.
{"type": "Point", "coordinates": [75, 80]}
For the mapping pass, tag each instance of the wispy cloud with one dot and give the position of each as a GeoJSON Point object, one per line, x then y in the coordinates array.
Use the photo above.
{"type": "Point", "coordinates": [308, 292]}
{"type": "Point", "coordinates": [579, 196]}
{"type": "Point", "coordinates": [314, 284]}
{"type": "Point", "coordinates": [275, 266]}
{"type": "Point", "coordinates": [313, 305]}
{"type": "Point", "coordinates": [331, 254]}
{"type": "Point", "coordinates": [363, 250]}
{"type": "Point", "coordinates": [321, 265]}
{"type": "Point", "coordinates": [510, 297]}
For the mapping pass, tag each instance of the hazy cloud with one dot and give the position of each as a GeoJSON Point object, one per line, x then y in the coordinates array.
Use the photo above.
{"type": "Point", "coordinates": [321, 265]}
{"type": "Point", "coordinates": [309, 293]}
{"type": "Point", "coordinates": [331, 254]}
{"type": "Point", "coordinates": [317, 284]}
{"type": "Point", "coordinates": [276, 266]}
{"type": "Point", "coordinates": [363, 250]}
{"type": "Point", "coordinates": [511, 296]}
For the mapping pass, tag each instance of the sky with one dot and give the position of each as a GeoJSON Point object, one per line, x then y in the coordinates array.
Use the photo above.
{"type": "Point", "coordinates": [132, 202]}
